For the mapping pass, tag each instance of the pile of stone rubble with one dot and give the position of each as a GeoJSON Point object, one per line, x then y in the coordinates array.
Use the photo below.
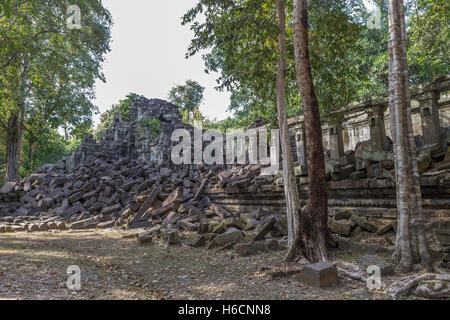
{"type": "Point", "coordinates": [154, 200]}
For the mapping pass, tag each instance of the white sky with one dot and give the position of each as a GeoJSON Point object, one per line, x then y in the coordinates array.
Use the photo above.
{"type": "Point", "coordinates": [148, 55]}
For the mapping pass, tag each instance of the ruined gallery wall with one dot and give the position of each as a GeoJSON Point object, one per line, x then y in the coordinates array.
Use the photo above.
{"type": "Point", "coordinates": [356, 128]}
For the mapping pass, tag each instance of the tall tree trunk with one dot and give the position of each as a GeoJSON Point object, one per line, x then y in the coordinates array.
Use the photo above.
{"type": "Point", "coordinates": [14, 146]}
{"type": "Point", "coordinates": [411, 244]}
{"type": "Point", "coordinates": [290, 184]}
{"type": "Point", "coordinates": [312, 230]}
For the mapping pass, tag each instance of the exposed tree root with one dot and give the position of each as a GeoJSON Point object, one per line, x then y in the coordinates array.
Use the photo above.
{"type": "Point", "coordinates": [350, 270]}
{"type": "Point", "coordinates": [429, 285]}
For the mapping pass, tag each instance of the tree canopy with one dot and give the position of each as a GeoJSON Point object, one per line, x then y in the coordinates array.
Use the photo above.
{"type": "Point", "coordinates": [188, 96]}
{"type": "Point", "coordinates": [47, 70]}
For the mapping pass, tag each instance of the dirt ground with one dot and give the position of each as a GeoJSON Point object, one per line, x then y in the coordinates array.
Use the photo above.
{"type": "Point", "coordinates": [34, 266]}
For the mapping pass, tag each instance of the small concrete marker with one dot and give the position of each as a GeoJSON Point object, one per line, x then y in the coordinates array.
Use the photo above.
{"type": "Point", "coordinates": [320, 274]}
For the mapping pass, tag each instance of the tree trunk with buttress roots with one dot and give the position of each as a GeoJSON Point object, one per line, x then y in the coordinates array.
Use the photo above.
{"type": "Point", "coordinates": [312, 230]}
{"type": "Point", "coordinates": [411, 243]}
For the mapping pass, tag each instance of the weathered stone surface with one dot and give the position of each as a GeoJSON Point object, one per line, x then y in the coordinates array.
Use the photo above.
{"type": "Point", "coordinates": [367, 260]}
{"type": "Point", "coordinates": [144, 239]}
{"type": "Point", "coordinates": [75, 197]}
{"type": "Point", "coordinates": [365, 224]}
{"type": "Point", "coordinates": [32, 228]}
{"type": "Point", "coordinates": [220, 211]}
{"type": "Point", "coordinates": [52, 226]}
{"type": "Point", "coordinates": [61, 225]}
{"type": "Point", "coordinates": [8, 187]}
{"type": "Point", "coordinates": [251, 248]}
{"type": "Point", "coordinates": [342, 215]}
{"type": "Point", "coordinates": [385, 228]}
{"type": "Point", "coordinates": [341, 227]}
{"type": "Point", "coordinates": [320, 274]}
{"type": "Point", "coordinates": [200, 190]}
{"type": "Point", "coordinates": [18, 228]}
{"type": "Point", "coordinates": [143, 209]}
{"type": "Point", "coordinates": [106, 224]}
{"type": "Point", "coordinates": [43, 227]}
{"type": "Point", "coordinates": [90, 223]}
{"type": "Point", "coordinates": [173, 237]}
{"type": "Point", "coordinates": [232, 235]}
{"type": "Point", "coordinates": [110, 210]}
{"type": "Point", "coordinates": [264, 229]}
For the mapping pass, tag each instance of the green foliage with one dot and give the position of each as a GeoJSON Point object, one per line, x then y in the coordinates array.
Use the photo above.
{"type": "Point", "coordinates": [349, 61]}
{"type": "Point", "coordinates": [429, 29]}
{"type": "Point", "coordinates": [48, 72]}
{"type": "Point", "coordinates": [149, 125]}
{"type": "Point", "coordinates": [5, 8]}
{"type": "Point", "coordinates": [187, 96]}
{"type": "Point", "coordinates": [242, 38]}
{"type": "Point", "coordinates": [50, 147]}
{"type": "Point", "coordinates": [107, 118]}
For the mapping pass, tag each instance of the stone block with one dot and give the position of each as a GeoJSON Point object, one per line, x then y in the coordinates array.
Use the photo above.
{"type": "Point", "coordinates": [341, 227]}
{"type": "Point", "coordinates": [232, 235]}
{"type": "Point", "coordinates": [367, 260]}
{"type": "Point", "coordinates": [342, 215]}
{"type": "Point", "coordinates": [251, 248]}
{"type": "Point", "coordinates": [110, 210]}
{"type": "Point", "coordinates": [365, 224]}
{"type": "Point", "coordinates": [320, 274]}
{"type": "Point", "coordinates": [8, 187]}
{"type": "Point", "coordinates": [264, 229]}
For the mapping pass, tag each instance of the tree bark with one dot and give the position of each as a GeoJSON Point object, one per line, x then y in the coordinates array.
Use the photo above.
{"type": "Point", "coordinates": [411, 244]}
{"type": "Point", "coordinates": [290, 184]}
{"type": "Point", "coordinates": [14, 146]}
{"type": "Point", "coordinates": [312, 230]}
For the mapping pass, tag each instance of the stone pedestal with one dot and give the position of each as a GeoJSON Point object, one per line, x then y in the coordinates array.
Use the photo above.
{"type": "Point", "coordinates": [429, 113]}
{"type": "Point", "coordinates": [320, 274]}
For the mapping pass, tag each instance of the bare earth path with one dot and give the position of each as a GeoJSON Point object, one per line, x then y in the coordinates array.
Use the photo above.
{"type": "Point", "coordinates": [33, 266]}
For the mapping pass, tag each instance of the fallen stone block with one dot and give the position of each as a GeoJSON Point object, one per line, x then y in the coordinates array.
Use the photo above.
{"type": "Point", "coordinates": [200, 190]}
{"type": "Point", "coordinates": [32, 228]}
{"type": "Point", "coordinates": [52, 226]}
{"type": "Point", "coordinates": [367, 260]}
{"type": "Point", "coordinates": [174, 196]}
{"type": "Point", "coordinates": [232, 235]}
{"type": "Point", "coordinates": [106, 224]}
{"type": "Point", "coordinates": [147, 204]}
{"type": "Point", "coordinates": [342, 215]}
{"type": "Point", "coordinates": [365, 224]}
{"type": "Point", "coordinates": [43, 227]}
{"type": "Point", "coordinates": [341, 227]}
{"type": "Point", "coordinates": [251, 248]}
{"type": "Point", "coordinates": [110, 210]}
{"type": "Point", "coordinates": [90, 223]}
{"type": "Point", "coordinates": [186, 225]}
{"type": "Point", "coordinates": [221, 212]}
{"type": "Point", "coordinates": [173, 238]}
{"type": "Point", "coordinates": [61, 225]}
{"type": "Point", "coordinates": [18, 228]}
{"type": "Point", "coordinates": [265, 229]}
{"type": "Point", "coordinates": [144, 239]}
{"type": "Point", "coordinates": [8, 187]}
{"type": "Point", "coordinates": [385, 229]}
{"type": "Point", "coordinates": [320, 274]}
